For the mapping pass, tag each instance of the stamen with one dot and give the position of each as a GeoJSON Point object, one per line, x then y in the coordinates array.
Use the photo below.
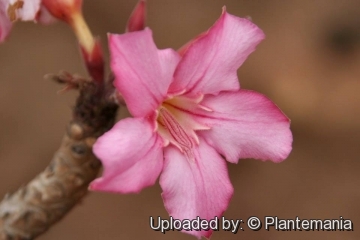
{"type": "Point", "coordinates": [177, 125]}
{"type": "Point", "coordinates": [175, 129]}
{"type": "Point", "coordinates": [205, 108]}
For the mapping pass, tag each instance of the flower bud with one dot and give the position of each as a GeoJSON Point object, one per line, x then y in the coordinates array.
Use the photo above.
{"type": "Point", "coordinates": [94, 61]}
{"type": "Point", "coordinates": [137, 18]}
{"type": "Point", "coordinates": [63, 9]}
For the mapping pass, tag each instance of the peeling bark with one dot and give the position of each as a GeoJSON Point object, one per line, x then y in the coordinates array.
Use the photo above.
{"type": "Point", "coordinates": [32, 209]}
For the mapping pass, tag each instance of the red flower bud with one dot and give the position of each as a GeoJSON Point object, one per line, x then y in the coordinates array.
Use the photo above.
{"type": "Point", "coordinates": [136, 20]}
{"type": "Point", "coordinates": [63, 9]}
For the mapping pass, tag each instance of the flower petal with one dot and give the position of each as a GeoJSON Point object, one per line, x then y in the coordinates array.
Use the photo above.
{"type": "Point", "coordinates": [199, 187]}
{"type": "Point", "coordinates": [132, 156]}
{"type": "Point", "coordinates": [210, 64]}
{"type": "Point", "coordinates": [26, 12]}
{"type": "Point", "coordinates": [246, 124]}
{"type": "Point", "coordinates": [182, 50]}
{"type": "Point", "coordinates": [5, 23]}
{"type": "Point", "coordinates": [142, 72]}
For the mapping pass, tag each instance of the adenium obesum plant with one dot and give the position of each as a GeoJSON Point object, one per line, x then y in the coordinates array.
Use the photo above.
{"type": "Point", "coordinates": [189, 114]}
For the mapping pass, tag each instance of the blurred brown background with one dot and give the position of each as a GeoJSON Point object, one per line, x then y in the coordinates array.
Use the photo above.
{"type": "Point", "coordinates": [309, 65]}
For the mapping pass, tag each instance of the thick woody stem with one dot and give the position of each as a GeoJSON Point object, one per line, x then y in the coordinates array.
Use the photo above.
{"type": "Point", "coordinates": [32, 209]}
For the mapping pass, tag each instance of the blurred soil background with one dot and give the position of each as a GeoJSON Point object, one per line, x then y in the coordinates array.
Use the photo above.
{"type": "Point", "coordinates": [309, 65]}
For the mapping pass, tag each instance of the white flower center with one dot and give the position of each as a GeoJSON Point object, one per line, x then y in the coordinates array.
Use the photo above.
{"type": "Point", "coordinates": [176, 123]}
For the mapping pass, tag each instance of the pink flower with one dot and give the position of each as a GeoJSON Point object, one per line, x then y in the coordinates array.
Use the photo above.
{"type": "Point", "coordinates": [24, 10]}
{"type": "Point", "coordinates": [188, 111]}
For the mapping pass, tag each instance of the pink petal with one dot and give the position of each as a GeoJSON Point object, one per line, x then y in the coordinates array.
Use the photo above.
{"type": "Point", "coordinates": [143, 73]}
{"type": "Point", "coordinates": [5, 23]}
{"type": "Point", "coordinates": [186, 47]}
{"type": "Point", "coordinates": [28, 11]}
{"type": "Point", "coordinates": [210, 64]}
{"type": "Point", "coordinates": [131, 155]}
{"type": "Point", "coordinates": [199, 187]}
{"type": "Point", "coordinates": [246, 124]}
{"type": "Point", "coordinates": [137, 18]}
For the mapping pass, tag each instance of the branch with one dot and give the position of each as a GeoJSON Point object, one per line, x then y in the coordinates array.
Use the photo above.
{"type": "Point", "coordinates": [46, 199]}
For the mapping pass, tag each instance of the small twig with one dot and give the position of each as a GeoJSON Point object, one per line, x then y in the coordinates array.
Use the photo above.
{"type": "Point", "coordinates": [69, 80]}
{"type": "Point", "coordinates": [32, 209]}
